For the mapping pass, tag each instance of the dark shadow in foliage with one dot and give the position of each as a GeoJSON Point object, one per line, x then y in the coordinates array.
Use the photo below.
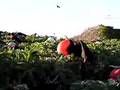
{"type": "Point", "coordinates": [37, 76]}
{"type": "Point", "coordinates": [105, 59]}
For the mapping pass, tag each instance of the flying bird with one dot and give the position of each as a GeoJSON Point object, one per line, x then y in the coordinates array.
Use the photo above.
{"type": "Point", "coordinates": [58, 6]}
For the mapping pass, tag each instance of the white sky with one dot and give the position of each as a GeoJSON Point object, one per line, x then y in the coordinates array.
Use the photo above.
{"type": "Point", "coordinates": [44, 18]}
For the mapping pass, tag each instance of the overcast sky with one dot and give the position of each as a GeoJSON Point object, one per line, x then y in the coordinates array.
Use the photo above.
{"type": "Point", "coordinates": [43, 16]}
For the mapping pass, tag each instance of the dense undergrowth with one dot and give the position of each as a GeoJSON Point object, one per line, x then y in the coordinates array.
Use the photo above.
{"type": "Point", "coordinates": [30, 62]}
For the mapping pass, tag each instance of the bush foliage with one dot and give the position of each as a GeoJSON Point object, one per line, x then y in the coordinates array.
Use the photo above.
{"type": "Point", "coordinates": [30, 62]}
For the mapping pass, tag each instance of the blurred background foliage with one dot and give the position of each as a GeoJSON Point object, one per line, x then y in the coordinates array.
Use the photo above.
{"type": "Point", "coordinates": [31, 62]}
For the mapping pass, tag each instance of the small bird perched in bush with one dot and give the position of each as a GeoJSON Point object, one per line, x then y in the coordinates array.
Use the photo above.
{"type": "Point", "coordinates": [78, 48]}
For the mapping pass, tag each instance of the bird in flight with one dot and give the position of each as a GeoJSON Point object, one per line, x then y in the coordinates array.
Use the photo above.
{"type": "Point", "coordinates": [58, 6]}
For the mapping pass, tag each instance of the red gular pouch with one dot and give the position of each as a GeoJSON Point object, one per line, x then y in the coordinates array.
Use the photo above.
{"type": "Point", "coordinates": [64, 46]}
{"type": "Point", "coordinates": [115, 74]}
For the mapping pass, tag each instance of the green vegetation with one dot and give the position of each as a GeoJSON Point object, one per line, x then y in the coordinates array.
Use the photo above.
{"type": "Point", "coordinates": [31, 62]}
{"type": "Point", "coordinates": [108, 32]}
